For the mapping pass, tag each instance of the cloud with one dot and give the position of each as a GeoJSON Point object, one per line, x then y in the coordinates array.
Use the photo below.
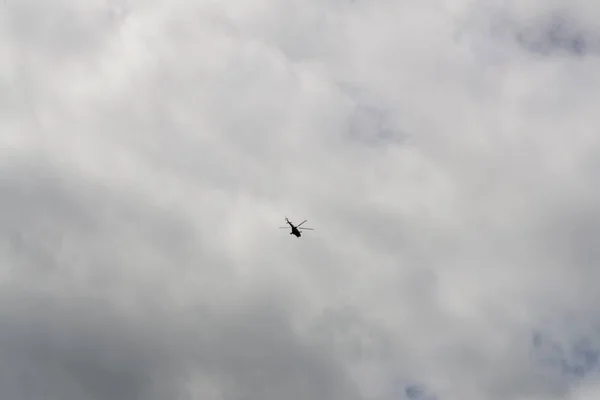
{"type": "Point", "coordinates": [150, 150]}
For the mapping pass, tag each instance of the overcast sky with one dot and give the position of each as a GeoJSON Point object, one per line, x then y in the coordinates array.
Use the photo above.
{"type": "Point", "coordinates": [445, 152]}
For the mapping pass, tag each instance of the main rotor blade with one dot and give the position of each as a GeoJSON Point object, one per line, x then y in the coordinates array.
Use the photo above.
{"type": "Point", "coordinates": [301, 223]}
{"type": "Point", "coordinates": [306, 229]}
{"type": "Point", "coordinates": [284, 227]}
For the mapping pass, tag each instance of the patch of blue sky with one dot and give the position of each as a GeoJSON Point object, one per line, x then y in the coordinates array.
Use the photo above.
{"type": "Point", "coordinates": [407, 390]}
{"type": "Point", "coordinates": [572, 359]}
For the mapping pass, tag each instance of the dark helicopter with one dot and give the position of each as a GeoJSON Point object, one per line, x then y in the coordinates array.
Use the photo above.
{"type": "Point", "coordinates": [295, 229]}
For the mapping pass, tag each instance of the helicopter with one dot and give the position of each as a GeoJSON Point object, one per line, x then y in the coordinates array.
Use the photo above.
{"type": "Point", "coordinates": [295, 229]}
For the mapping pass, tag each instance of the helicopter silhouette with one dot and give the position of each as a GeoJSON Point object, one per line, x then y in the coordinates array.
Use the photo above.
{"type": "Point", "coordinates": [295, 229]}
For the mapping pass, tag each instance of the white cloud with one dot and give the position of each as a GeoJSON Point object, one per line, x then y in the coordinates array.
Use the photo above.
{"type": "Point", "coordinates": [151, 149]}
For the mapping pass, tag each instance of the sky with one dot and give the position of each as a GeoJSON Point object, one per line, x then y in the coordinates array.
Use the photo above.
{"type": "Point", "coordinates": [446, 154]}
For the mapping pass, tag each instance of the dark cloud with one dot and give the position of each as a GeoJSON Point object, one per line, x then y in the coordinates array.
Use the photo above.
{"type": "Point", "coordinates": [559, 34]}
{"type": "Point", "coordinates": [65, 346]}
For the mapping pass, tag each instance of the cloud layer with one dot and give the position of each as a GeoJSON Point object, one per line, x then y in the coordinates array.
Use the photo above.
{"type": "Point", "coordinates": [445, 154]}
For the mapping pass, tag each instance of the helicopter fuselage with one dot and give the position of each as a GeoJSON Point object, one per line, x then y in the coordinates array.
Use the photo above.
{"type": "Point", "coordinates": [295, 231]}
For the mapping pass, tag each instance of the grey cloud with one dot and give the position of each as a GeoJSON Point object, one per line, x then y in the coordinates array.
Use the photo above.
{"type": "Point", "coordinates": [145, 173]}
{"type": "Point", "coordinates": [60, 29]}
{"type": "Point", "coordinates": [63, 338]}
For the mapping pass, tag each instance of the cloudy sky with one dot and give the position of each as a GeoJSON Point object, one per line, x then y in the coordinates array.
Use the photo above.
{"type": "Point", "coordinates": [445, 152]}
